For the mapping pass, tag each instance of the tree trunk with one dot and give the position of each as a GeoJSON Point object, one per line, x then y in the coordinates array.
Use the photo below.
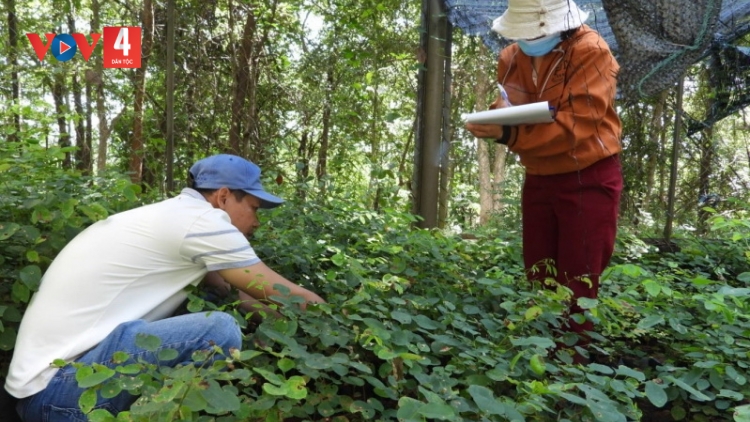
{"type": "Point", "coordinates": [95, 77]}
{"type": "Point", "coordinates": [498, 177]}
{"type": "Point", "coordinates": [83, 151]}
{"type": "Point", "coordinates": [169, 153]}
{"type": "Point", "coordinates": [656, 128]}
{"type": "Point", "coordinates": [707, 145]}
{"type": "Point", "coordinates": [484, 166]}
{"type": "Point", "coordinates": [375, 165]}
{"type": "Point", "coordinates": [13, 62]}
{"type": "Point", "coordinates": [321, 168]}
{"type": "Point", "coordinates": [58, 95]}
{"type": "Point", "coordinates": [89, 139]}
{"type": "Point", "coordinates": [303, 165]}
{"type": "Point", "coordinates": [675, 156]}
{"type": "Point", "coordinates": [137, 141]}
{"type": "Point", "coordinates": [446, 169]}
{"type": "Point", "coordinates": [241, 84]}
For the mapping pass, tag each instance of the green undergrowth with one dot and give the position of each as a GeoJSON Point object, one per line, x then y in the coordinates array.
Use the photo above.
{"type": "Point", "coordinates": [419, 325]}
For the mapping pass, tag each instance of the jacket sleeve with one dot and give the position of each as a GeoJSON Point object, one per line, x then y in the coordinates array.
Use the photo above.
{"type": "Point", "coordinates": [587, 96]}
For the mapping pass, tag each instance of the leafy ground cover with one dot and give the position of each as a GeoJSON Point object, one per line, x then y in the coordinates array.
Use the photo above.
{"type": "Point", "coordinates": [419, 325]}
{"type": "Point", "coordinates": [424, 326]}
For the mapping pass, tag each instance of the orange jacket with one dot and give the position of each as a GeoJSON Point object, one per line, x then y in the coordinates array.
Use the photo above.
{"type": "Point", "coordinates": [578, 78]}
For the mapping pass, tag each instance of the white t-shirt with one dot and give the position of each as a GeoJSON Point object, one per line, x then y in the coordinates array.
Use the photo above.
{"type": "Point", "coordinates": [133, 265]}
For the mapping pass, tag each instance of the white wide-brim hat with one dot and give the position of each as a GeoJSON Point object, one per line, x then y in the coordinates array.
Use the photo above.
{"type": "Point", "coordinates": [529, 19]}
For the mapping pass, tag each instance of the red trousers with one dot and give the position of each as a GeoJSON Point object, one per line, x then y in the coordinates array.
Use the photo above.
{"type": "Point", "coordinates": [571, 219]}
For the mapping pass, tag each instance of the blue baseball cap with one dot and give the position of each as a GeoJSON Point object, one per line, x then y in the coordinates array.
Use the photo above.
{"type": "Point", "coordinates": [236, 173]}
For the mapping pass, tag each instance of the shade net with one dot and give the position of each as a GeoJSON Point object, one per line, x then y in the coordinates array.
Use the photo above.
{"type": "Point", "coordinates": [655, 41]}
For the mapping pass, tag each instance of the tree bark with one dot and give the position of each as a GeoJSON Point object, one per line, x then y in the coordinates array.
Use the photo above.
{"type": "Point", "coordinates": [13, 62]}
{"type": "Point", "coordinates": [58, 95]}
{"type": "Point", "coordinates": [303, 165]}
{"type": "Point", "coordinates": [241, 84]}
{"type": "Point", "coordinates": [83, 151]}
{"type": "Point", "coordinates": [675, 156]}
{"type": "Point", "coordinates": [137, 140]}
{"type": "Point", "coordinates": [446, 152]}
{"type": "Point", "coordinates": [95, 77]}
{"type": "Point", "coordinates": [169, 153]}
{"type": "Point", "coordinates": [374, 132]}
{"type": "Point", "coordinates": [656, 127]}
{"type": "Point", "coordinates": [321, 168]}
{"type": "Point", "coordinates": [484, 165]}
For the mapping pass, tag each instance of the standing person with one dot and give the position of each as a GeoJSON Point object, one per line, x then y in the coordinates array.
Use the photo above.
{"type": "Point", "coordinates": [571, 192]}
{"type": "Point", "coordinates": [126, 275]}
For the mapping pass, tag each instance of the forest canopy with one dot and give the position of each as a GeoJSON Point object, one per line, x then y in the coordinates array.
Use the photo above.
{"type": "Point", "coordinates": [422, 324]}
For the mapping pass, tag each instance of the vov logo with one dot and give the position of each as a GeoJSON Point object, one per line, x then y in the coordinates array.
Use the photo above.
{"type": "Point", "coordinates": [122, 46]}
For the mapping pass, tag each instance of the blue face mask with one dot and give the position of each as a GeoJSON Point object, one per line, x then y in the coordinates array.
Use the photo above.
{"type": "Point", "coordinates": [539, 46]}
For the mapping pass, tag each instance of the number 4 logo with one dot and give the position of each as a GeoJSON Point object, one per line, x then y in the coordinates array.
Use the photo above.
{"type": "Point", "coordinates": [122, 46]}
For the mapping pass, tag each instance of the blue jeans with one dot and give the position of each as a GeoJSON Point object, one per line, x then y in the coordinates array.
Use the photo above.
{"type": "Point", "coordinates": [186, 334]}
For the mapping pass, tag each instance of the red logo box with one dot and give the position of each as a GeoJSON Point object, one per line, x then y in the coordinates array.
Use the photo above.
{"type": "Point", "coordinates": [122, 46]}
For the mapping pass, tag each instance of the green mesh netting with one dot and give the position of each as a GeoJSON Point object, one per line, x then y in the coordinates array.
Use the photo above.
{"type": "Point", "coordinates": [659, 39]}
{"type": "Point", "coordinates": [655, 41]}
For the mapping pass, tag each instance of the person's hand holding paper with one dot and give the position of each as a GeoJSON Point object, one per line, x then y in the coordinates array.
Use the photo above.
{"type": "Point", "coordinates": [491, 131]}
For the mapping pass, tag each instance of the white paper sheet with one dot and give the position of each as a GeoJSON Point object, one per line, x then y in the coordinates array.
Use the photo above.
{"type": "Point", "coordinates": [515, 115]}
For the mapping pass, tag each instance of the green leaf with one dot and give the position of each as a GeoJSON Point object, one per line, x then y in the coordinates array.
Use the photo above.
{"type": "Point", "coordinates": [587, 303]}
{"type": "Point", "coordinates": [131, 369]}
{"type": "Point", "coordinates": [486, 401]}
{"type": "Point", "coordinates": [8, 338]}
{"type": "Point", "coordinates": [533, 341]}
{"type": "Point", "coordinates": [605, 412]}
{"type": "Point", "coordinates": [147, 342]}
{"type": "Point", "coordinates": [401, 317]}
{"type": "Point", "coordinates": [96, 378]}
{"type": "Point", "coordinates": [221, 399]}
{"type": "Point", "coordinates": [742, 413]}
{"type": "Point", "coordinates": [111, 389]}
{"type": "Point", "coordinates": [682, 384]}
{"type": "Point", "coordinates": [339, 259]}
{"type": "Point", "coordinates": [20, 292]}
{"type": "Point", "coordinates": [656, 394]}
{"type": "Point", "coordinates": [32, 255]}
{"type": "Point", "coordinates": [650, 321]}
{"type": "Point", "coordinates": [68, 207]}
{"type": "Point", "coordinates": [532, 313]}
{"type": "Point", "coordinates": [442, 411]}
{"type": "Point", "coordinates": [246, 355]}
{"type": "Point", "coordinates": [273, 390]}
{"type": "Point", "coordinates": [120, 357]}
{"type": "Point", "coordinates": [731, 394]}
{"type": "Point", "coordinates": [735, 376]}
{"type": "Point", "coordinates": [632, 373]}
{"type": "Point", "coordinates": [168, 354]}
{"type": "Point", "coordinates": [652, 288]}
{"type": "Point", "coordinates": [296, 388]}
{"type": "Point", "coordinates": [285, 364]}
{"type": "Point", "coordinates": [194, 400]}
{"type": "Point", "coordinates": [101, 415]}
{"type": "Point", "coordinates": [426, 323]}
{"type": "Point", "coordinates": [8, 229]}
{"type": "Point", "coordinates": [94, 211]}
{"type": "Point", "coordinates": [602, 369]}
{"type": "Point", "coordinates": [269, 376]}
{"type": "Point", "coordinates": [87, 401]}
{"type": "Point", "coordinates": [408, 410]}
